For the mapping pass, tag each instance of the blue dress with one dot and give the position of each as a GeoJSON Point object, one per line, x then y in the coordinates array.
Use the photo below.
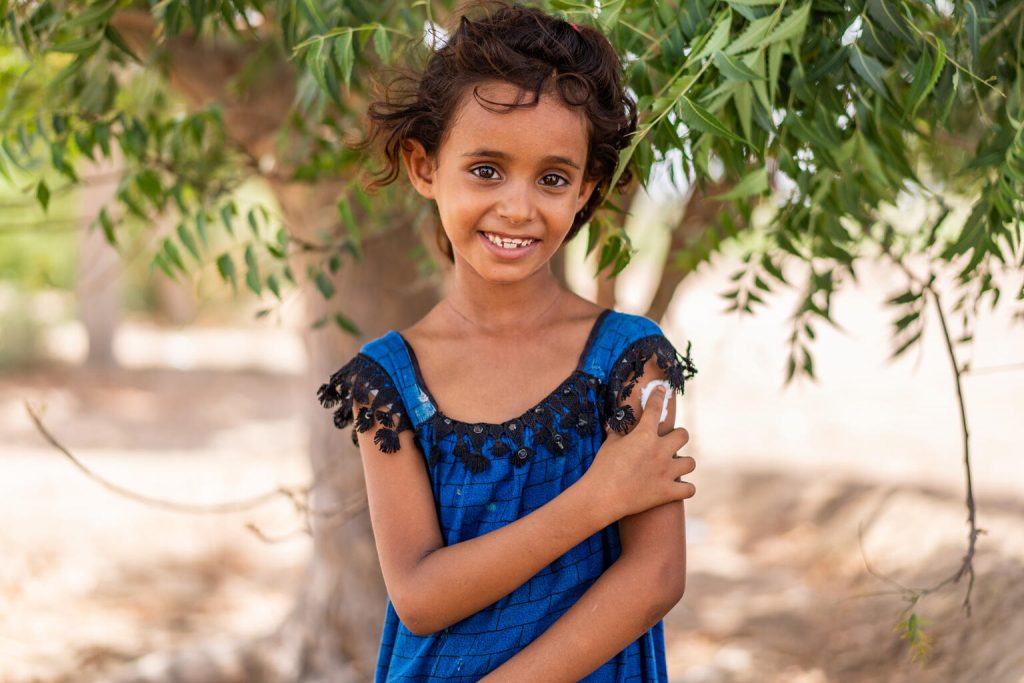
{"type": "Point", "coordinates": [485, 476]}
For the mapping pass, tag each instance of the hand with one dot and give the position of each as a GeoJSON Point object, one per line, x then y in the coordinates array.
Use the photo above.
{"type": "Point", "coordinates": [640, 470]}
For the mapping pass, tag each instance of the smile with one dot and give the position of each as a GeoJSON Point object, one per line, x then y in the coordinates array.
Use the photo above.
{"type": "Point", "coordinates": [508, 242]}
{"type": "Point", "coordinates": [508, 248]}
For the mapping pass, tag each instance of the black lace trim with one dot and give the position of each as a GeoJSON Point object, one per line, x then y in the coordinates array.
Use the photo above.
{"type": "Point", "coordinates": [629, 368]}
{"type": "Point", "coordinates": [364, 381]}
{"type": "Point", "coordinates": [563, 416]}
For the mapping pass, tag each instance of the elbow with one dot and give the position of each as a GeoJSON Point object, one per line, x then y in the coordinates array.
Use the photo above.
{"type": "Point", "coordinates": [417, 607]}
{"type": "Point", "coordinates": [671, 578]}
{"type": "Point", "coordinates": [413, 610]}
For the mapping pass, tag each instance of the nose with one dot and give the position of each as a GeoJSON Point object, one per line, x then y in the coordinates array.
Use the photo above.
{"type": "Point", "coordinates": [515, 204]}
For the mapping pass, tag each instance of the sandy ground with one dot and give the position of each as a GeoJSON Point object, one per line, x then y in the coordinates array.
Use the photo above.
{"type": "Point", "coordinates": [777, 587]}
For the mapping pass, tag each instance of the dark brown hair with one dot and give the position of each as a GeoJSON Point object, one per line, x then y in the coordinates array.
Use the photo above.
{"type": "Point", "coordinates": [528, 48]}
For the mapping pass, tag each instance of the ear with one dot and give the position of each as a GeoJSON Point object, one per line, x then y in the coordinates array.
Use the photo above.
{"type": "Point", "coordinates": [586, 189]}
{"type": "Point", "coordinates": [419, 167]}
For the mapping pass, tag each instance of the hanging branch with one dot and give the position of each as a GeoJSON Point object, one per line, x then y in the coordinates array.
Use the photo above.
{"type": "Point", "coordinates": [298, 495]}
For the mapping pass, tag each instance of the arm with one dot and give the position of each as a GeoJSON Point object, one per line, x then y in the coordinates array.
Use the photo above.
{"type": "Point", "coordinates": [640, 587]}
{"type": "Point", "coordinates": [431, 585]}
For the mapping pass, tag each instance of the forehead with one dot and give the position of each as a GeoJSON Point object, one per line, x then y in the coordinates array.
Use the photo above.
{"type": "Point", "coordinates": [533, 131]}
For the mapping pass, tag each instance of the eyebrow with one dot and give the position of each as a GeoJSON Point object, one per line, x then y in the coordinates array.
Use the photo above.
{"type": "Point", "coordinates": [551, 158]}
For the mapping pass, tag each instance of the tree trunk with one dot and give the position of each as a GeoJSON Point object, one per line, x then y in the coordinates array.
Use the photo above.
{"type": "Point", "coordinates": [340, 610]}
{"type": "Point", "coordinates": [699, 212]}
{"type": "Point", "coordinates": [97, 287]}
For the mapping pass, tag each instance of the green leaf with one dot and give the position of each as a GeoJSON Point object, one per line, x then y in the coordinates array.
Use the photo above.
{"type": "Point", "coordinates": [742, 100]}
{"type": "Point", "coordinates": [98, 13]}
{"type": "Point", "coordinates": [381, 44]}
{"type": "Point", "coordinates": [226, 268]}
{"type": "Point", "coordinates": [252, 281]}
{"type": "Point", "coordinates": [906, 320]}
{"type": "Point", "coordinates": [118, 41]}
{"type": "Point", "coordinates": [161, 262]}
{"type": "Point", "coordinates": [201, 227]}
{"type": "Point", "coordinates": [609, 16]}
{"type": "Point", "coordinates": [609, 250]}
{"type": "Point", "coordinates": [185, 235]}
{"type": "Point", "coordinates": [697, 117]}
{"type": "Point", "coordinates": [324, 284]}
{"type": "Point", "coordinates": [345, 56]}
{"type": "Point", "coordinates": [345, 209]}
{"type": "Point", "coordinates": [792, 27]}
{"type": "Point", "coordinates": [718, 38]}
{"type": "Point", "coordinates": [227, 211]}
{"type": "Point", "coordinates": [790, 368]}
{"type": "Point", "coordinates": [773, 270]}
{"type": "Point", "coordinates": [43, 194]}
{"type": "Point", "coordinates": [149, 184]}
{"type": "Point", "coordinates": [808, 363]}
{"type": "Point", "coordinates": [887, 15]}
{"type": "Point", "coordinates": [735, 70]}
{"type": "Point", "coordinates": [926, 75]}
{"type": "Point", "coordinates": [253, 224]}
{"type": "Point", "coordinates": [273, 286]}
{"type": "Point", "coordinates": [108, 227]}
{"type": "Point", "coordinates": [197, 9]}
{"type": "Point", "coordinates": [311, 11]}
{"type": "Point", "coordinates": [973, 35]}
{"type": "Point", "coordinates": [755, 182]}
{"type": "Point", "coordinates": [754, 35]}
{"type": "Point", "coordinates": [870, 69]}
{"type": "Point", "coordinates": [80, 46]}
{"type": "Point", "coordinates": [906, 345]}
{"type": "Point", "coordinates": [171, 252]}
{"type": "Point", "coordinates": [346, 324]}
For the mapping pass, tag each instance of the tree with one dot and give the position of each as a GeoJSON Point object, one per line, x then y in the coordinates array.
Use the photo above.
{"type": "Point", "coordinates": [837, 109]}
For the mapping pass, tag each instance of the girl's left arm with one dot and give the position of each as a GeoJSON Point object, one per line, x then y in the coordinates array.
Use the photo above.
{"type": "Point", "coordinates": [631, 596]}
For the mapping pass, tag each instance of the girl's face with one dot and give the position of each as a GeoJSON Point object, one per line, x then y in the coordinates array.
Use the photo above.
{"type": "Point", "coordinates": [507, 185]}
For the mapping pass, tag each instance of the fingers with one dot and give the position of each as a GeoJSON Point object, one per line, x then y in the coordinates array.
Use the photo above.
{"type": "Point", "coordinates": [651, 417]}
{"type": "Point", "coordinates": [686, 490]}
{"type": "Point", "coordinates": [683, 466]}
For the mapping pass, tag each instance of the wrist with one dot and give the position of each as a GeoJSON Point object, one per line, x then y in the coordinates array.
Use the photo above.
{"type": "Point", "coordinates": [599, 503]}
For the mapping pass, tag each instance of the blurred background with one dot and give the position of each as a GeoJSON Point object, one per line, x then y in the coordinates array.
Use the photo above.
{"type": "Point", "coordinates": [832, 206]}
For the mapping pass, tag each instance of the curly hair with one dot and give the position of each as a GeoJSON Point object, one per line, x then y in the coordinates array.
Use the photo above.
{"type": "Point", "coordinates": [530, 49]}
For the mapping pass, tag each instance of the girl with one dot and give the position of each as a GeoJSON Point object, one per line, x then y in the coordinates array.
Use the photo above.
{"type": "Point", "coordinates": [522, 534]}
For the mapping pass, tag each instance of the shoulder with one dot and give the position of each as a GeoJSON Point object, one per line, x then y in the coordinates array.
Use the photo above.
{"type": "Point", "coordinates": [636, 348]}
{"type": "Point", "coordinates": [618, 332]}
{"type": "Point", "coordinates": [626, 328]}
{"type": "Point", "coordinates": [367, 390]}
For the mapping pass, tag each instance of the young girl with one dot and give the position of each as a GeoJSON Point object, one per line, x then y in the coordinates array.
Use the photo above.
{"type": "Point", "coordinates": [525, 533]}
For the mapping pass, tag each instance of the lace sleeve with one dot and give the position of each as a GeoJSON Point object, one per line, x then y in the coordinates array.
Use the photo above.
{"type": "Point", "coordinates": [629, 368]}
{"type": "Point", "coordinates": [363, 383]}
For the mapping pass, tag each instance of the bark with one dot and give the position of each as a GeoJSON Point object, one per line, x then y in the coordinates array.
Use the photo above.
{"type": "Point", "coordinates": [97, 287]}
{"type": "Point", "coordinates": [697, 215]}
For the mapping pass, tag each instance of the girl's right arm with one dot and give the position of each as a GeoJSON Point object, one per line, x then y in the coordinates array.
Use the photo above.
{"type": "Point", "coordinates": [432, 586]}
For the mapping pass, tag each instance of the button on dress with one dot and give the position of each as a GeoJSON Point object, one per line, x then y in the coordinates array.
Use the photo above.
{"type": "Point", "coordinates": [486, 475]}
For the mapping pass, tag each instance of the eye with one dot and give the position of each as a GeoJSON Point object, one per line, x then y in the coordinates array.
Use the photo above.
{"type": "Point", "coordinates": [489, 169]}
{"type": "Point", "coordinates": [557, 177]}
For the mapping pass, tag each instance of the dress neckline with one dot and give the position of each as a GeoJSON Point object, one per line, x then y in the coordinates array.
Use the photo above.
{"type": "Point", "coordinates": [441, 414]}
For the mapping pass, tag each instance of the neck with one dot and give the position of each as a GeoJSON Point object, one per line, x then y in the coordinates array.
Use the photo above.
{"type": "Point", "coordinates": [503, 308]}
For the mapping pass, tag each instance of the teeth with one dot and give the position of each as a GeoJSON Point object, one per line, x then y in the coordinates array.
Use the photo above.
{"type": "Point", "coordinates": [508, 243]}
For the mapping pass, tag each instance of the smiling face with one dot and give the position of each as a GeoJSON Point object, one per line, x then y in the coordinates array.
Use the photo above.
{"type": "Point", "coordinates": [507, 185]}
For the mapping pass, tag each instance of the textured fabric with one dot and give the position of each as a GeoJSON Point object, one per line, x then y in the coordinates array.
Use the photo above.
{"type": "Point", "coordinates": [484, 476]}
